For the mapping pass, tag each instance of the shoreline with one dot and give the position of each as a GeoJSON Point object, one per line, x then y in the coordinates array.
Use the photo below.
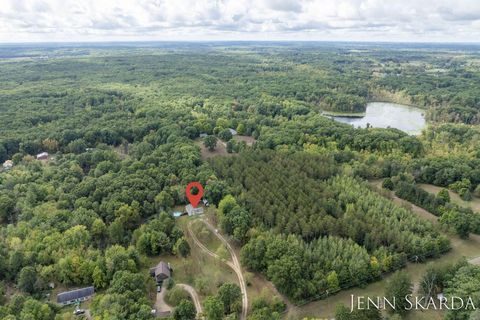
{"type": "Point", "coordinates": [344, 114]}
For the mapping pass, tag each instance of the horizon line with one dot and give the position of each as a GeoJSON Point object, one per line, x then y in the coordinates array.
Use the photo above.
{"type": "Point", "coordinates": [241, 41]}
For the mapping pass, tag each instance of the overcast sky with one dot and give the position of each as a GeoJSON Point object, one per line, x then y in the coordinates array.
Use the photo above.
{"type": "Point", "coordinates": [358, 20]}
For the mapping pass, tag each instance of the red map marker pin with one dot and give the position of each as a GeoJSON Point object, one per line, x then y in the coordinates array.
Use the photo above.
{"type": "Point", "coordinates": [194, 199]}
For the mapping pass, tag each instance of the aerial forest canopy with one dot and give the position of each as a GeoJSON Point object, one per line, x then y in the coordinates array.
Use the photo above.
{"type": "Point", "coordinates": [305, 217]}
{"type": "Point", "coordinates": [123, 127]}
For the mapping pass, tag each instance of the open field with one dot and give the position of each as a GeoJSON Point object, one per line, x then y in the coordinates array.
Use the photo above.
{"type": "Point", "coordinates": [208, 238]}
{"type": "Point", "coordinates": [454, 197]}
{"type": "Point", "coordinates": [221, 149]}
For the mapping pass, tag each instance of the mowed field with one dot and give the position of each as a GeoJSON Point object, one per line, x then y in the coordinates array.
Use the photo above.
{"type": "Point", "coordinates": [461, 248]}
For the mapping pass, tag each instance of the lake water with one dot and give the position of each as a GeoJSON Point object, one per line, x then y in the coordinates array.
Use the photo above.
{"type": "Point", "coordinates": [384, 115]}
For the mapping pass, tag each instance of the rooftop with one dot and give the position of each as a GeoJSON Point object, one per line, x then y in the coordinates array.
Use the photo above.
{"type": "Point", "coordinates": [75, 294]}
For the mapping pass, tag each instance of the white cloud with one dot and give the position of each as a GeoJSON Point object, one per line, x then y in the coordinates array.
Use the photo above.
{"type": "Point", "coordinates": [83, 20]}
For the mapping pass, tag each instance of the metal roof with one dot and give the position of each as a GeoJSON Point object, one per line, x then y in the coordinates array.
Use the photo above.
{"type": "Point", "coordinates": [162, 268]}
{"type": "Point", "coordinates": [75, 294]}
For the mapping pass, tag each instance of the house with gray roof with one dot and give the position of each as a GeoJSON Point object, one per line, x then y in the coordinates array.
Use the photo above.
{"type": "Point", "coordinates": [161, 272]}
{"type": "Point", "coordinates": [75, 296]}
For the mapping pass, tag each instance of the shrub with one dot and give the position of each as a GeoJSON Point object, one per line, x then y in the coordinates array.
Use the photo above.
{"type": "Point", "coordinates": [176, 295]}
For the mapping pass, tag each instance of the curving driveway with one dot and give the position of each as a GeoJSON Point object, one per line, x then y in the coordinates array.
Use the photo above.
{"type": "Point", "coordinates": [195, 298]}
{"type": "Point", "coordinates": [163, 308]}
{"type": "Point", "coordinates": [234, 264]}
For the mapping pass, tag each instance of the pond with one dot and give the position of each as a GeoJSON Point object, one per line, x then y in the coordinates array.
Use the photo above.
{"type": "Point", "coordinates": [384, 114]}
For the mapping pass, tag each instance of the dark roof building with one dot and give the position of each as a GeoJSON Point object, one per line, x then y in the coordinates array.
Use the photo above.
{"type": "Point", "coordinates": [75, 296]}
{"type": "Point", "coordinates": [161, 271]}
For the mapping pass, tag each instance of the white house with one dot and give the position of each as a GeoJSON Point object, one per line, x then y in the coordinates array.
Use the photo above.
{"type": "Point", "coordinates": [193, 211]}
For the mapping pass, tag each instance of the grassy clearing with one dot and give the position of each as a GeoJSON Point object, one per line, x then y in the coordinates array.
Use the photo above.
{"type": "Point", "coordinates": [257, 285]}
{"type": "Point", "coordinates": [210, 240]}
{"type": "Point", "coordinates": [220, 150]}
{"type": "Point", "coordinates": [454, 197]}
{"type": "Point", "coordinates": [199, 270]}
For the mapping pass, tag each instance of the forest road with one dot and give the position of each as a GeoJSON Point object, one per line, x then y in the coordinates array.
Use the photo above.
{"type": "Point", "coordinates": [195, 298]}
{"type": "Point", "coordinates": [234, 264]}
{"type": "Point", "coordinates": [475, 261]}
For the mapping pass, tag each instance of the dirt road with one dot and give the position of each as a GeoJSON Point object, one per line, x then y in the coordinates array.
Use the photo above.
{"type": "Point", "coordinates": [234, 264]}
{"type": "Point", "coordinates": [195, 298]}
{"type": "Point", "coordinates": [160, 305]}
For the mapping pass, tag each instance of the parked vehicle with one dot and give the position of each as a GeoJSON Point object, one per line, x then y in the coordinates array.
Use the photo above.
{"type": "Point", "coordinates": [78, 312]}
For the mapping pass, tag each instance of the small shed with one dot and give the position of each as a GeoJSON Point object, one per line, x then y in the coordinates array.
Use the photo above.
{"type": "Point", "coordinates": [203, 135]}
{"type": "Point", "coordinates": [161, 272]}
{"type": "Point", "coordinates": [7, 165]}
{"type": "Point", "coordinates": [233, 131]}
{"type": "Point", "coordinates": [75, 296]}
{"type": "Point", "coordinates": [42, 156]}
{"type": "Point", "coordinates": [193, 211]}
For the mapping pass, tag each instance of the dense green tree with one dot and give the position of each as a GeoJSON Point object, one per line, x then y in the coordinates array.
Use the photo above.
{"type": "Point", "coordinates": [184, 311]}
{"type": "Point", "coordinates": [27, 279]}
{"type": "Point", "coordinates": [387, 184]}
{"type": "Point", "coordinates": [225, 135]}
{"type": "Point", "coordinates": [210, 142]}
{"type": "Point", "coordinates": [7, 206]}
{"type": "Point", "coordinates": [398, 287]}
{"type": "Point", "coordinates": [163, 201]}
{"type": "Point", "coordinates": [230, 296]}
{"type": "Point", "coordinates": [444, 195]}
{"type": "Point", "coordinates": [182, 248]}
{"type": "Point", "coordinates": [214, 308]}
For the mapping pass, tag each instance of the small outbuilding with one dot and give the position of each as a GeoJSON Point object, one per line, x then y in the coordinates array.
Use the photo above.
{"type": "Point", "coordinates": [161, 272]}
{"type": "Point", "coordinates": [75, 296]}
{"type": "Point", "coordinates": [42, 156]}
{"type": "Point", "coordinates": [233, 131]}
{"type": "Point", "coordinates": [7, 165]}
{"type": "Point", "coordinates": [193, 211]}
